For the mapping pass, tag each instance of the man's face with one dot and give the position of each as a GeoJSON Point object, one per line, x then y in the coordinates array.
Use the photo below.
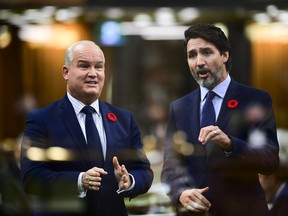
{"type": "Point", "coordinates": [206, 63]}
{"type": "Point", "coordinates": [86, 75]}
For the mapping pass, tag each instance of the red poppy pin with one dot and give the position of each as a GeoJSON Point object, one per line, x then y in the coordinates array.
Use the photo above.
{"type": "Point", "coordinates": [111, 117]}
{"type": "Point", "coordinates": [232, 104]}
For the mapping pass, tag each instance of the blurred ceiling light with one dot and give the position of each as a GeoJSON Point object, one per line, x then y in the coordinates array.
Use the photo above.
{"type": "Point", "coordinates": [57, 36]}
{"type": "Point", "coordinates": [274, 32]}
{"type": "Point", "coordinates": [68, 14]}
{"type": "Point", "coordinates": [272, 10]}
{"type": "Point", "coordinates": [154, 32]}
{"type": "Point", "coordinates": [188, 14]}
{"type": "Point", "coordinates": [114, 13]}
{"type": "Point", "coordinates": [163, 32]}
{"type": "Point", "coordinates": [5, 36]}
{"type": "Point", "coordinates": [37, 16]}
{"type": "Point", "coordinates": [130, 28]}
{"type": "Point", "coordinates": [36, 154]}
{"type": "Point", "coordinates": [110, 33]}
{"type": "Point", "coordinates": [48, 10]}
{"type": "Point", "coordinates": [16, 19]}
{"type": "Point", "coordinates": [142, 19]}
{"type": "Point", "coordinates": [35, 33]}
{"type": "Point", "coordinates": [283, 17]}
{"type": "Point", "coordinates": [58, 154]}
{"type": "Point", "coordinates": [4, 14]}
{"type": "Point", "coordinates": [262, 18]}
{"type": "Point", "coordinates": [31, 14]}
{"type": "Point", "coordinates": [62, 15]}
{"type": "Point", "coordinates": [165, 16]}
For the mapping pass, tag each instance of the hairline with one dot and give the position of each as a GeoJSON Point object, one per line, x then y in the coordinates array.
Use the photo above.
{"type": "Point", "coordinates": [68, 59]}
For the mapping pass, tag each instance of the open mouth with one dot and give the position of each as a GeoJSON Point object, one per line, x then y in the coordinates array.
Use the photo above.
{"type": "Point", "coordinates": [91, 82]}
{"type": "Point", "coordinates": [203, 73]}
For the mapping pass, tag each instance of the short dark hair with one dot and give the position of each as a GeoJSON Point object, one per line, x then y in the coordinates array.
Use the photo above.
{"type": "Point", "coordinates": [212, 34]}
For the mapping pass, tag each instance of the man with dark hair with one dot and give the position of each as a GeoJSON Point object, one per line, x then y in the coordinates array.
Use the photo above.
{"type": "Point", "coordinates": [219, 137]}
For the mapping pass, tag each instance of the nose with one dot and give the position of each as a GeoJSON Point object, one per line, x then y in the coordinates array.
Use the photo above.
{"type": "Point", "coordinates": [92, 72]}
{"type": "Point", "coordinates": [200, 61]}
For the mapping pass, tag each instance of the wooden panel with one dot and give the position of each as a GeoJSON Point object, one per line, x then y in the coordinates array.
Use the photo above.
{"type": "Point", "coordinates": [270, 72]}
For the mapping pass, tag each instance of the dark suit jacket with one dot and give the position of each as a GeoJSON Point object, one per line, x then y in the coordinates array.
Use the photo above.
{"type": "Point", "coordinates": [280, 203]}
{"type": "Point", "coordinates": [54, 180]}
{"type": "Point", "coordinates": [233, 183]}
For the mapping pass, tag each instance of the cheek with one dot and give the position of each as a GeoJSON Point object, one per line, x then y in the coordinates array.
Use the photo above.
{"type": "Point", "coordinates": [101, 76]}
{"type": "Point", "coordinates": [191, 64]}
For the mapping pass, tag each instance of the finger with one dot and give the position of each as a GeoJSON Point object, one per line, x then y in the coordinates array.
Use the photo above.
{"type": "Point", "coordinates": [124, 170]}
{"type": "Point", "coordinates": [191, 208]}
{"type": "Point", "coordinates": [197, 207]}
{"type": "Point", "coordinates": [202, 199]}
{"type": "Point", "coordinates": [116, 163]}
{"type": "Point", "coordinates": [204, 190]}
{"type": "Point", "coordinates": [96, 171]}
{"type": "Point", "coordinates": [94, 186]}
{"type": "Point", "coordinates": [204, 132]}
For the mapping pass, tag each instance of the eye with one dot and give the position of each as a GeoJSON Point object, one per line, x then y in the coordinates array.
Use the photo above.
{"type": "Point", "coordinates": [192, 55]}
{"type": "Point", "coordinates": [99, 66]}
{"type": "Point", "coordinates": [83, 65]}
{"type": "Point", "coordinates": [207, 52]}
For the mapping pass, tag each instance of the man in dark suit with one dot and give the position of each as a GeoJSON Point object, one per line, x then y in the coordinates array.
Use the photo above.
{"type": "Point", "coordinates": [213, 169]}
{"type": "Point", "coordinates": [60, 164]}
{"type": "Point", "coordinates": [275, 186]}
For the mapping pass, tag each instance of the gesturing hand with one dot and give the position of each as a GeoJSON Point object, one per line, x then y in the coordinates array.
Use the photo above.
{"type": "Point", "coordinates": [91, 179]}
{"type": "Point", "coordinates": [121, 174]}
{"type": "Point", "coordinates": [194, 201]}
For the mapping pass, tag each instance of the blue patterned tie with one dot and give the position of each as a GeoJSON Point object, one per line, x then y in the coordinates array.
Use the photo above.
{"type": "Point", "coordinates": [208, 112]}
{"type": "Point", "coordinates": [92, 136]}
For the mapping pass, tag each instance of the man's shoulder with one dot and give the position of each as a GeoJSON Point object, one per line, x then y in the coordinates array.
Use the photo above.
{"type": "Point", "coordinates": [187, 98]}
{"type": "Point", "coordinates": [249, 90]}
{"type": "Point", "coordinates": [112, 108]}
{"type": "Point", "coordinates": [50, 107]}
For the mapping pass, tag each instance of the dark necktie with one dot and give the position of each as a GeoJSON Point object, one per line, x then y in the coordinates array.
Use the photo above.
{"type": "Point", "coordinates": [92, 136]}
{"type": "Point", "coordinates": [208, 116]}
{"type": "Point", "coordinates": [208, 112]}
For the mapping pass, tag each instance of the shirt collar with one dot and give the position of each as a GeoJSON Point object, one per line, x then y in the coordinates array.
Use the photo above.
{"type": "Point", "coordinates": [78, 105]}
{"type": "Point", "coordinates": [220, 89]}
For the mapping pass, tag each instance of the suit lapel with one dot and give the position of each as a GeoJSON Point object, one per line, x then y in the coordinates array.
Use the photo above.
{"type": "Point", "coordinates": [195, 113]}
{"type": "Point", "coordinates": [110, 131]}
{"type": "Point", "coordinates": [67, 114]}
{"type": "Point", "coordinates": [225, 113]}
{"type": "Point", "coordinates": [189, 121]}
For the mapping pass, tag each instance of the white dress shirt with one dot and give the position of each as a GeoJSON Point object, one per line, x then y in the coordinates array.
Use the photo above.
{"type": "Point", "coordinates": [97, 117]}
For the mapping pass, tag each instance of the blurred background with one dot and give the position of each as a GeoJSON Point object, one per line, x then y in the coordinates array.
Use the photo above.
{"type": "Point", "coordinates": [145, 63]}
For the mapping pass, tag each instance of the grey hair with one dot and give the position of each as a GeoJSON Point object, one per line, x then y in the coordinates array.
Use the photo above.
{"type": "Point", "coordinates": [70, 50]}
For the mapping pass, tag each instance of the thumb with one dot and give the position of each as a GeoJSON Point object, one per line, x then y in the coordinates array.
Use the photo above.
{"type": "Point", "coordinates": [204, 190]}
{"type": "Point", "coordinates": [116, 163]}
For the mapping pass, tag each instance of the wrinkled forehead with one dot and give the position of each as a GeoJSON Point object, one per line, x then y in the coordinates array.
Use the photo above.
{"type": "Point", "coordinates": [88, 52]}
{"type": "Point", "coordinates": [199, 44]}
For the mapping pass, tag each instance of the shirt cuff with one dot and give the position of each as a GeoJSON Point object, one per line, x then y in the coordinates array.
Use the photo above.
{"type": "Point", "coordinates": [119, 191]}
{"type": "Point", "coordinates": [227, 153]}
{"type": "Point", "coordinates": [81, 190]}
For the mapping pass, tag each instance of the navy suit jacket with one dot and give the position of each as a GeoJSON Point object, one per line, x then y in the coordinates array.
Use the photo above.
{"type": "Point", "coordinates": [54, 180]}
{"type": "Point", "coordinates": [280, 203]}
{"type": "Point", "coordinates": [233, 183]}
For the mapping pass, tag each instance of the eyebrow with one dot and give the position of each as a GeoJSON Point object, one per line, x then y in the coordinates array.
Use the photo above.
{"type": "Point", "coordinates": [201, 49]}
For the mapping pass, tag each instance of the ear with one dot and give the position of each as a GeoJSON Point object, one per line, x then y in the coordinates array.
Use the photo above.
{"type": "Point", "coordinates": [65, 72]}
{"type": "Point", "coordinates": [225, 56]}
